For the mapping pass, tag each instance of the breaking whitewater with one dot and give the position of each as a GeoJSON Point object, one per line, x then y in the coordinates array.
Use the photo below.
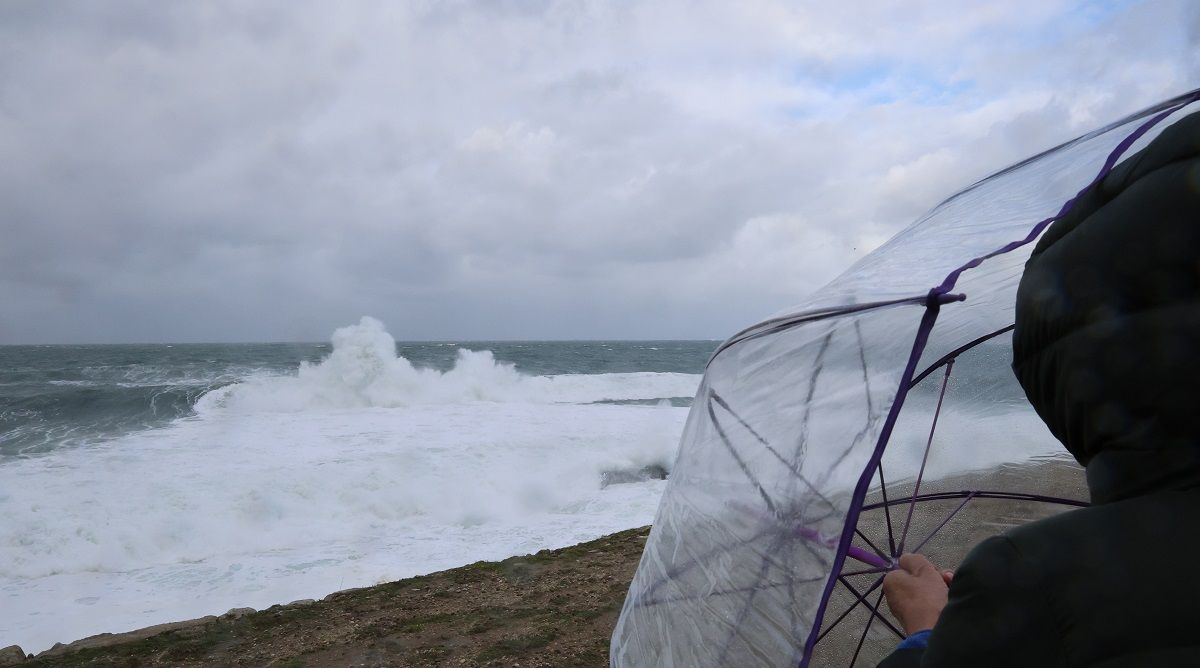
{"type": "Point", "coordinates": [144, 484]}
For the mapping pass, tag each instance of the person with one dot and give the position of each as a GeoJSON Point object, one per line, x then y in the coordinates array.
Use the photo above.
{"type": "Point", "coordinates": [1107, 349]}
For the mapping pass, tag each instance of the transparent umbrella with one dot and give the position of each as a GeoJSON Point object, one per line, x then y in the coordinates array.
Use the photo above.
{"type": "Point", "coordinates": [876, 418]}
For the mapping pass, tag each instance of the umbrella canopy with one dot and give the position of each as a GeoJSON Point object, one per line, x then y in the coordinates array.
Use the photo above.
{"type": "Point", "coordinates": [880, 416]}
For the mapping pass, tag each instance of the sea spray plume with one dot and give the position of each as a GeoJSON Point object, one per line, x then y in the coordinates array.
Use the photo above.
{"type": "Point", "coordinates": [364, 371]}
{"type": "Point", "coordinates": [363, 358]}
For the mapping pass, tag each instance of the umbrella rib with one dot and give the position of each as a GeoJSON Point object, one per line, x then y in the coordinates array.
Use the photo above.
{"type": "Point", "coordinates": [948, 518]}
{"type": "Point", "coordinates": [870, 544]}
{"type": "Point", "coordinates": [887, 513]}
{"type": "Point", "coordinates": [713, 396]}
{"type": "Point", "coordinates": [875, 612]}
{"type": "Point", "coordinates": [740, 462]}
{"type": "Point", "coordinates": [925, 458]}
{"type": "Point", "coordinates": [867, 571]}
{"type": "Point", "coordinates": [763, 568]}
{"type": "Point", "coordinates": [867, 628]}
{"type": "Point", "coordinates": [873, 587]}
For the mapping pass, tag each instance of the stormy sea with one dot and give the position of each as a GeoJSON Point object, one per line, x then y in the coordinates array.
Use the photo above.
{"type": "Point", "coordinates": [141, 484]}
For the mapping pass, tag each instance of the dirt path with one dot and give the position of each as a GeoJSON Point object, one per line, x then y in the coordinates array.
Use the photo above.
{"type": "Point", "coordinates": [554, 608]}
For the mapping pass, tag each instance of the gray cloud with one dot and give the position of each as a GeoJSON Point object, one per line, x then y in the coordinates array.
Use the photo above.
{"type": "Point", "coordinates": [513, 170]}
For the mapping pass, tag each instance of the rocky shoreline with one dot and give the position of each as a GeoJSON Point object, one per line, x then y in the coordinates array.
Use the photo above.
{"type": "Point", "coordinates": [553, 608]}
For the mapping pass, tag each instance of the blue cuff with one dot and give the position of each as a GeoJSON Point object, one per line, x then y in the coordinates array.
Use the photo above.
{"type": "Point", "coordinates": [917, 640]}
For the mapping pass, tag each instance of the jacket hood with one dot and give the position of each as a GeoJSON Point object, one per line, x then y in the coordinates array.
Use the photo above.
{"type": "Point", "coordinates": [1107, 337]}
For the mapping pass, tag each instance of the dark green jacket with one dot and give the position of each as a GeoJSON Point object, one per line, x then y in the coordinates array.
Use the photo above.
{"type": "Point", "coordinates": [1107, 348]}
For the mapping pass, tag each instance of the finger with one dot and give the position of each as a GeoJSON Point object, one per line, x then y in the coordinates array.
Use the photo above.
{"type": "Point", "coordinates": [897, 581]}
{"type": "Point", "coordinates": [893, 580]}
{"type": "Point", "coordinates": [914, 563]}
{"type": "Point", "coordinates": [947, 577]}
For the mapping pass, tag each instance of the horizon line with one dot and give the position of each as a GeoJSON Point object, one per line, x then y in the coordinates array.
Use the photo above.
{"type": "Point", "coordinates": [328, 343]}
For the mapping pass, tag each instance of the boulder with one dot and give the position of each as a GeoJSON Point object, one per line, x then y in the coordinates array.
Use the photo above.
{"type": "Point", "coordinates": [12, 655]}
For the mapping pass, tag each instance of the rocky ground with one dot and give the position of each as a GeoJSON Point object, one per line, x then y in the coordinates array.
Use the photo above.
{"type": "Point", "coordinates": [553, 608]}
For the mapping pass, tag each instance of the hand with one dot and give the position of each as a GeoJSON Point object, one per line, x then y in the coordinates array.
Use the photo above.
{"type": "Point", "coordinates": [916, 592]}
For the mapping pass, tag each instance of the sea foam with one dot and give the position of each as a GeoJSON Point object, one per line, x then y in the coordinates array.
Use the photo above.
{"type": "Point", "coordinates": [358, 469]}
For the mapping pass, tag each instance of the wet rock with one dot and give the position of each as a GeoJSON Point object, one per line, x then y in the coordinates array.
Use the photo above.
{"type": "Point", "coordinates": [518, 571]}
{"type": "Point", "coordinates": [12, 655]}
{"type": "Point", "coordinates": [624, 476]}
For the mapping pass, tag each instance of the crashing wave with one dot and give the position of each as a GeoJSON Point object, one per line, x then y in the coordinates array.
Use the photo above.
{"type": "Point", "coordinates": [364, 371]}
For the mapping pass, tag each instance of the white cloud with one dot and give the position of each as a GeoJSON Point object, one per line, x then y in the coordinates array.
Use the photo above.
{"type": "Point", "coordinates": [547, 169]}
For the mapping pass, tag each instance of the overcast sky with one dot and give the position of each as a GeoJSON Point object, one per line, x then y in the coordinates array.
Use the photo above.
{"type": "Point", "coordinates": [526, 169]}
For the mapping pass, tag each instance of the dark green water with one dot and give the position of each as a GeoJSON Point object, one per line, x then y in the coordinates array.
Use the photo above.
{"type": "Point", "coordinates": [51, 396]}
